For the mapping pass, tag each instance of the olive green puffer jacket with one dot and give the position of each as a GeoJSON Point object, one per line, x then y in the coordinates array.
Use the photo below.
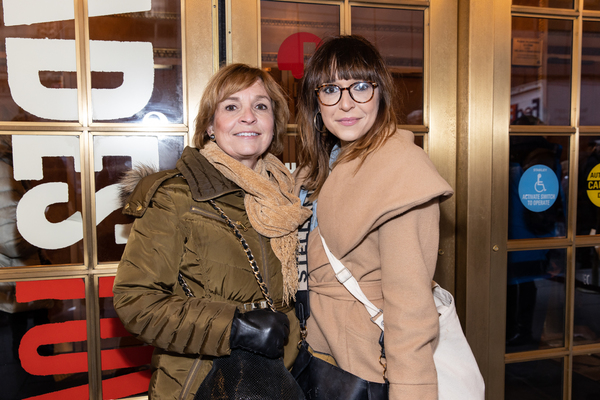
{"type": "Point", "coordinates": [177, 230]}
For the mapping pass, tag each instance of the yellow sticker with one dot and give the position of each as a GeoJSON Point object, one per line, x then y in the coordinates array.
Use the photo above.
{"type": "Point", "coordinates": [593, 185]}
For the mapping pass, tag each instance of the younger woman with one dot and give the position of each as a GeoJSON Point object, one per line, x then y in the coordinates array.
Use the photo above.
{"type": "Point", "coordinates": [376, 202]}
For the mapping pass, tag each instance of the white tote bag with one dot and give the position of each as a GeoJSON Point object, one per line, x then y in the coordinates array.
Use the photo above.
{"type": "Point", "coordinates": [459, 377]}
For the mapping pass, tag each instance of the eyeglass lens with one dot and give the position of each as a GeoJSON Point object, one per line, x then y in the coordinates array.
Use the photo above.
{"type": "Point", "coordinates": [361, 92]}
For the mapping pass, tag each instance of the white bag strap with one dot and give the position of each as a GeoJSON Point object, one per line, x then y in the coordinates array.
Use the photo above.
{"type": "Point", "coordinates": [349, 281]}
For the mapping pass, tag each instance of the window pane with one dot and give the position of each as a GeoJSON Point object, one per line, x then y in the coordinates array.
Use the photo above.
{"type": "Point", "coordinates": [113, 156]}
{"type": "Point", "coordinates": [399, 36]}
{"type": "Point", "coordinates": [591, 4]}
{"type": "Point", "coordinates": [535, 299]}
{"type": "Point", "coordinates": [135, 56]}
{"type": "Point", "coordinates": [38, 78]}
{"type": "Point", "coordinates": [541, 71]}
{"type": "Point", "coordinates": [588, 187]}
{"type": "Point", "coordinates": [534, 380]}
{"type": "Point", "coordinates": [41, 214]}
{"type": "Point", "coordinates": [544, 3]}
{"type": "Point", "coordinates": [538, 186]}
{"type": "Point", "coordinates": [590, 73]}
{"type": "Point", "coordinates": [587, 296]}
{"type": "Point", "coordinates": [290, 33]}
{"type": "Point", "coordinates": [586, 377]}
{"type": "Point", "coordinates": [125, 360]}
{"type": "Point", "coordinates": [43, 347]}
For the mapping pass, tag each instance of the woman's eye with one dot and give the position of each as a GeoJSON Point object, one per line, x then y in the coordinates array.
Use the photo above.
{"type": "Point", "coordinates": [229, 107]}
{"type": "Point", "coordinates": [262, 106]}
{"type": "Point", "coordinates": [330, 89]}
{"type": "Point", "coordinates": [361, 86]}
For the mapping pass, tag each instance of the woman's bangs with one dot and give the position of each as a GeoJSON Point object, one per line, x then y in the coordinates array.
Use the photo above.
{"type": "Point", "coordinates": [354, 68]}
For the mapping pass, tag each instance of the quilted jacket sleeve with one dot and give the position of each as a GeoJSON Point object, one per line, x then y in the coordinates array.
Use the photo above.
{"type": "Point", "coordinates": [145, 287]}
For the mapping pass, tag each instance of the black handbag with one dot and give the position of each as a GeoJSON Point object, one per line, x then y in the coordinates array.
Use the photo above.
{"type": "Point", "coordinates": [244, 375]}
{"type": "Point", "coordinates": [321, 380]}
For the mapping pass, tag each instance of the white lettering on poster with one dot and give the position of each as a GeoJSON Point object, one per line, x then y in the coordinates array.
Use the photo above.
{"type": "Point", "coordinates": [26, 12]}
{"type": "Point", "coordinates": [142, 150]}
{"type": "Point", "coordinates": [32, 223]}
{"type": "Point", "coordinates": [35, 227]}
{"type": "Point", "coordinates": [136, 61]}
{"type": "Point", "coordinates": [108, 7]}
{"type": "Point", "coordinates": [27, 57]}
{"type": "Point", "coordinates": [24, 59]}
{"type": "Point", "coordinates": [28, 151]}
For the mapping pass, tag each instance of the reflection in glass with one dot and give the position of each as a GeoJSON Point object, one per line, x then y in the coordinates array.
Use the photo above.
{"type": "Point", "coordinates": [136, 63]}
{"type": "Point", "coordinates": [124, 358]}
{"type": "Point", "coordinates": [112, 160]}
{"type": "Point", "coordinates": [398, 35]}
{"type": "Point", "coordinates": [587, 296]}
{"type": "Point", "coordinates": [538, 204]}
{"type": "Point", "coordinates": [586, 377]}
{"type": "Point", "coordinates": [590, 73]}
{"type": "Point", "coordinates": [290, 33]}
{"type": "Point", "coordinates": [43, 346]}
{"type": "Point", "coordinates": [588, 186]}
{"type": "Point", "coordinates": [591, 5]}
{"type": "Point", "coordinates": [541, 70]}
{"type": "Point", "coordinates": [544, 3]}
{"type": "Point", "coordinates": [535, 299]}
{"type": "Point", "coordinates": [41, 58]}
{"type": "Point", "coordinates": [541, 379]}
{"type": "Point", "coordinates": [45, 190]}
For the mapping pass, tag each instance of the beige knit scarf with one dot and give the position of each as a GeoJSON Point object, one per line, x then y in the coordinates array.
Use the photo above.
{"type": "Point", "coordinates": [272, 208]}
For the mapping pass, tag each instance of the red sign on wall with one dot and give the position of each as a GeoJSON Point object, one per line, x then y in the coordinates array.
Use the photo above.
{"type": "Point", "coordinates": [76, 331]}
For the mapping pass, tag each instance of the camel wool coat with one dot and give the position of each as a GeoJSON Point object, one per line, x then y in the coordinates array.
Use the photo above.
{"type": "Point", "coordinates": [382, 221]}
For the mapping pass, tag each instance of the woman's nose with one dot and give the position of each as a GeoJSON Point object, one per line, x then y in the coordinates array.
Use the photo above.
{"type": "Point", "coordinates": [248, 116]}
{"type": "Point", "coordinates": [346, 102]}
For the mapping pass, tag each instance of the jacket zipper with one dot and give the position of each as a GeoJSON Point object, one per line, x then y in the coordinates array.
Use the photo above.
{"type": "Point", "coordinates": [187, 385]}
{"type": "Point", "coordinates": [198, 210]}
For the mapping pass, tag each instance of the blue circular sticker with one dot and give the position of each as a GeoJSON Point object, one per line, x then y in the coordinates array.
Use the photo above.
{"type": "Point", "coordinates": [538, 188]}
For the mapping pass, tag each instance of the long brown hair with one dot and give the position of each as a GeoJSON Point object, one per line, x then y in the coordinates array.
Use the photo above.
{"type": "Point", "coordinates": [230, 80]}
{"type": "Point", "coordinates": [341, 57]}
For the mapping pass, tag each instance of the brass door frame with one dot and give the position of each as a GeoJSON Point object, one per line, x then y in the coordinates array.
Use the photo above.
{"type": "Point", "coordinates": [482, 180]}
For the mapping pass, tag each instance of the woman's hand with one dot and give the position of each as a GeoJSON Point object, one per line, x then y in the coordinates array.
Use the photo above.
{"type": "Point", "coordinates": [260, 331]}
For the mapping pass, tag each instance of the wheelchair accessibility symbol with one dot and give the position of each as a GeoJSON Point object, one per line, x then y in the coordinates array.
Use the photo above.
{"type": "Point", "coordinates": [539, 185]}
{"type": "Point", "coordinates": [538, 188]}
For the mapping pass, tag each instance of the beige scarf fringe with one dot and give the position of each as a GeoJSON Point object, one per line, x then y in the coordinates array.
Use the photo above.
{"type": "Point", "coordinates": [272, 208]}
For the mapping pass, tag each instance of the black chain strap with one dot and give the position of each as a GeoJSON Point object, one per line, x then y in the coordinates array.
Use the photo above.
{"type": "Point", "coordinates": [184, 286]}
{"type": "Point", "coordinates": [251, 260]}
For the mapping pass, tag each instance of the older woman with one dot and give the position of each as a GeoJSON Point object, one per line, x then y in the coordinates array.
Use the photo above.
{"type": "Point", "coordinates": [180, 245]}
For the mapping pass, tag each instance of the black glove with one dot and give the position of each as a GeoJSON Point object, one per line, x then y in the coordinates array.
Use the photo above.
{"type": "Point", "coordinates": [260, 331]}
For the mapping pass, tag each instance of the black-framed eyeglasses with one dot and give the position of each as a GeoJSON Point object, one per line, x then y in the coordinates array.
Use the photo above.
{"type": "Point", "coordinates": [361, 92]}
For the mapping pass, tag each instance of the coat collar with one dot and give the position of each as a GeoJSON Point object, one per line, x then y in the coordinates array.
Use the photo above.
{"type": "Point", "coordinates": [204, 180]}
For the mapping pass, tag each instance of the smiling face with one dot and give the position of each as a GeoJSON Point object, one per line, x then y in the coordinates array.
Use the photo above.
{"type": "Point", "coordinates": [349, 120]}
{"type": "Point", "coordinates": [243, 124]}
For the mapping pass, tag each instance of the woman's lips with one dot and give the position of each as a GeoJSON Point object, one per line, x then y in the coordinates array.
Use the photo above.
{"type": "Point", "coordinates": [348, 121]}
{"type": "Point", "coordinates": [247, 134]}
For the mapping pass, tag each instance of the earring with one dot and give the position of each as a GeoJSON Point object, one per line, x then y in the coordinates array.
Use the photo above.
{"type": "Point", "coordinates": [316, 119]}
{"type": "Point", "coordinates": [212, 137]}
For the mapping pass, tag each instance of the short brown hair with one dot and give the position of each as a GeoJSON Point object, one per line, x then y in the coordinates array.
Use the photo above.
{"type": "Point", "coordinates": [343, 57]}
{"type": "Point", "coordinates": [232, 79]}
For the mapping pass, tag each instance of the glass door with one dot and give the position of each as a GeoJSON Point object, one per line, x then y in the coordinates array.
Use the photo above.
{"type": "Point", "coordinates": [552, 346]}
{"type": "Point", "coordinates": [419, 57]}
{"type": "Point", "coordinates": [88, 90]}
